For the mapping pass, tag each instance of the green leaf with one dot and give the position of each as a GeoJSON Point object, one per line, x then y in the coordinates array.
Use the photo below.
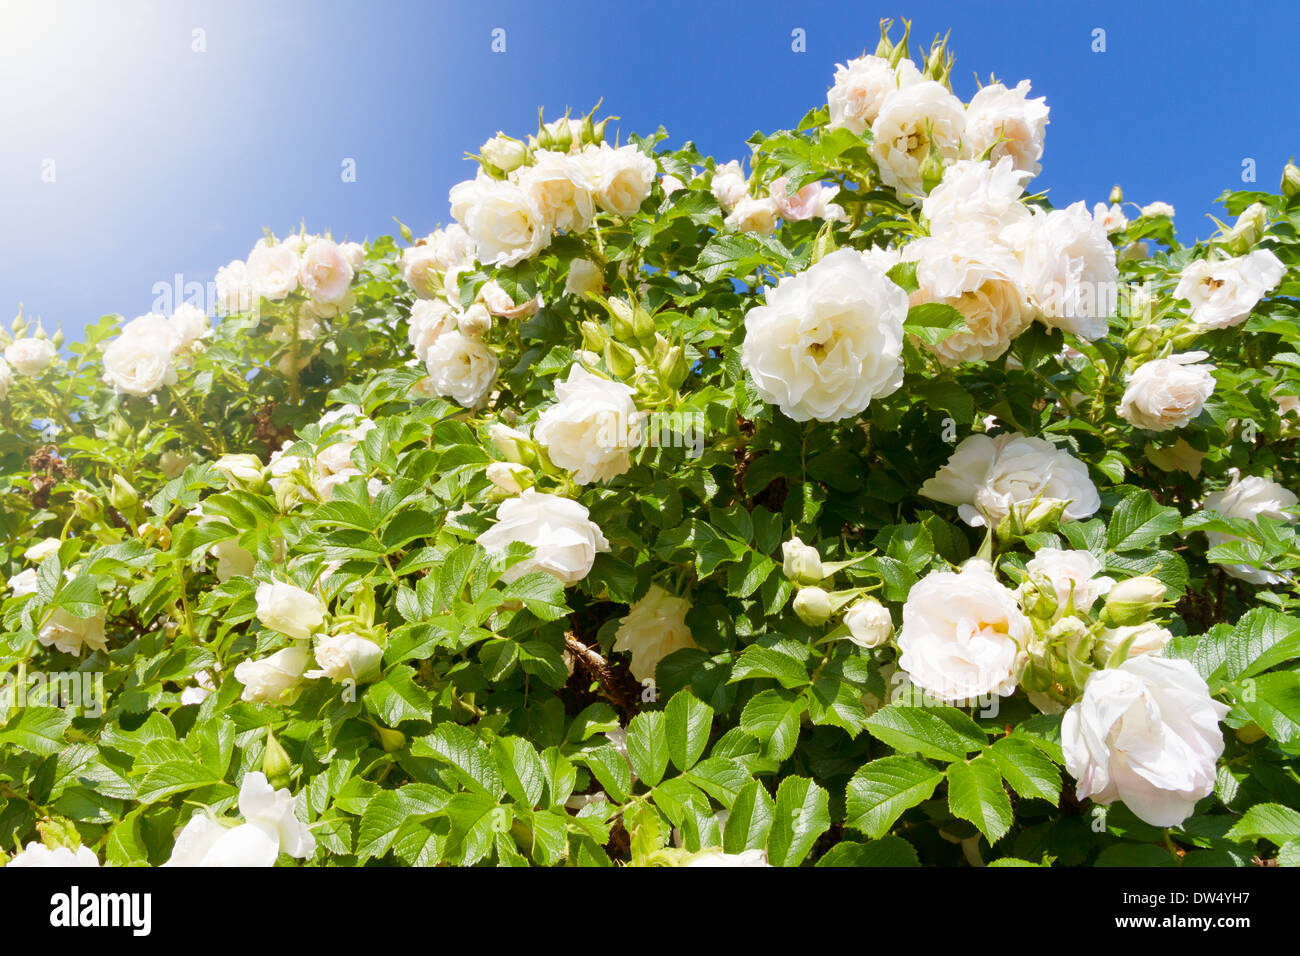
{"type": "Point", "coordinates": [541, 593]}
{"type": "Point", "coordinates": [1024, 766]}
{"type": "Point", "coordinates": [772, 717]}
{"type": "Point", "coordinates": [881, 790]}
{"type": "Point", "coordinates": [932, 322]}
{"type": "Point", "coordinates": [942, 733]}
{"type": "Point", "coordinates": [38, 730]}
{"type": "Point", "coordinates": [889, 851]}
{"type": "Point", "coordinates": [1139, 521]}
{"type": "Point", "coordinates": [1261, 639]}
{"type": "Point", "coordinates": [750, 819]}
{"type": "Point", "coordinates": [975, 793]}
{"type": "Point", "coordinates": [465, 755]}
{"type": "Point", "coordinates": [172, 777]}
{"type": "Point", "coordinates": [647, 746]}
{"type": "Point", "coordinates": [688, 723]}
{"type": "Point", "coordinates": [1267, 821]}
{"type": "Point", "coordinates": [800, 816]}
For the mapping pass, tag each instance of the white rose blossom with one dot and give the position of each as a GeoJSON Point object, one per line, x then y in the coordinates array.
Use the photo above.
{"type": "Point", "coordinates": [269, 829]}
{"type": "Point", "coordinates": [70, 634]}
{"type": "Point", "coordinates": [860, 89]}
{"type": "Point", "coordinates": [462, 368]}
{"type": "Point", "coordinates": [963, 635]}
{"type": "Point", "coordinates": [653, 628]}
{"type": "Point", "coordinates": [142, 359]}
{"type": "Point", "coordinates": [1146, 638]}
{"type": "Point", "coordinates": [6, 379]}
{"type": "Point", "coordinates": [869, 623]}
{"type": "Point", "coordinates": [289, 609]}
{"type": "Point", "coordinates": [560, 186]}
{"type": "Point", "coordinates": [976, 197]}
{"type": "Point", "coordinates": [268, 678]}
{"type": "Point", "coordinates": [911, 120]}
{"type": "Point", "coordinates": [584, 276]}
{"type": "Point", "coordinates": [344, 656]}
{"type": "Point", "coordinates": [560, 529]}
{"type": "Point", "coordinates": [273, 271]}
{"type": "Point", "coordinates": [592, 428]}
{"type": "Point", "coordinates": [1069, 268]}
{"type": "Point", "coordinates": [754, 215]}
{"type": "Point", "coordinates": [1146, 733]}
{"type": "Point", "coordinates": [729, 185]}
{"type": "Point", "coordinates": [325, 271]}
{"type": "Point", "coordinates": [1251, 498]}
{"type": "Point", "coordinates": [987, 476]}
{"type": "Point", "coordinates": [623, 177]}
{"type": "Point", "coordinates": [980, 279]}
{"type": "Point", "coordinates": [39, 855]}
{"type": "Point", "coordinates": [234, 289]}
{"type": "Point", "coordinates": [1222, 292]}
{"type": "Point", "coordinates": [1006, 123]}
{"type": "Point", "coordinates": [30, 356]}
{"type": "Point", "coordinates": [1073, 577]}
{"type": "Point", "coordinates": [506, 224]}
{"type": "Point", "coordinates": [828, 340]}
{"type": "Point", "coordinates": [1167, 393]}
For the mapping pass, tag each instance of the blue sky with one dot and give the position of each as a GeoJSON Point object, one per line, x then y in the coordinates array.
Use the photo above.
{"type": "Point", "coordinates": [169, 161]}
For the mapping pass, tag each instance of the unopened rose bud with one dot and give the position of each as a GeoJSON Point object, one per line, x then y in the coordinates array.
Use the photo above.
{"type": "Point", "coordinates": [391, 740]}
{"type": "Point", "coordinates": [276, 763]}
{"type": "Point", "coordinates": [57, 338]}
{"type": "Point", "coordinates": [1038, 598]}
{"type": "Point", "coordinates": [1248, 230]}
{"type": "Point", "coordinates": [1132, 601]}
{"type": "Point", "coordinates": [593, 336]}
{"type": "Point", "coordinates": [813, 605]}
{"type": "Point", "coordinates": [932, 167]}
{"type": "Point", "coordinates": [622, 319]}
{"type": "Point", "coordinates": [510, 477]}
{"type": "Point", "coordinates": [121, 495]}
{"type": "Point", "coordinates": [869, 623]}
{"type": "Point", "coordinates": [1290, 180]}
{"type": "Point", "coordinates": [801, 562]}
{"type": "Point", "coordinates": [504, 152]}
{"type": "Point", "coordinates": [620, 361]}
{"type": "Point", "coordinates": [643, 324]}
{"type": "Point", "coordinates": [242, 471]}
{"type": "Point", "coordinates": [1116, 195]}
{"type": "Point", "coordinates": [673, 368]}
{"type": "Point", "coordinates": [511, 444]}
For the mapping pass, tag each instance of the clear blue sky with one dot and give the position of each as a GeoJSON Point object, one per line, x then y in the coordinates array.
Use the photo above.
{"type": "Point", "coordinates": [172, 161]}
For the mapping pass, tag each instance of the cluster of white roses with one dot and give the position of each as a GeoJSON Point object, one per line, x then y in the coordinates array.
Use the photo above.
{"type": "Point", "coordinates": [317, 267]}
{"type": "Point", "coordinates": [343, 656]}
{"type": "Point", "coordinates": [761, 214]}
{"type": "Point", "coordinates": [146, 355]}
{"type": "Point", "coordinates": [269, 828]}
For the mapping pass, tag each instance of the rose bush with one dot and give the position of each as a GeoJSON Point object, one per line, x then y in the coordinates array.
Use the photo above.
{"type": "Point", "coordinates": [851, 505]}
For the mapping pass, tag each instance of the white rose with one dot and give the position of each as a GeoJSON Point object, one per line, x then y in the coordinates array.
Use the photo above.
{"type": "Point", "coordinates": [869, 623]}
{"type": "Point", "coordinates": [24, 582]}
{"type": "Point", "coordinates": [1250, 498]}
{"type": "Point", "coordinates": [430, 319]}
{"type": "Point", "coordinates": [592, 428]}
{"type": "Point", "coordinates": [234, 290]}
{"type": "Point", "coordinates": [654, 627]}
{"type": "Point", "coordinates": [200, 691]}
{"type": "Point", "coordinates": [976, 197]}
{"type": "Point", "coordinates": [963, 635]}
{"type": "Point", "coordinates": [986, 477]}
{"type": "Point", "coordinates": [1157, 209]}
{"type": "Point", "coordinates": [233, 561]}
{"type": "Point", "coordinates": [980, 279]}
{"type": "Point", "coordinates": [1008, 122]}
{"type": "Point", "coordinates": [729, 185]}
{"type": "Point", "coordinates": [1112, 217]}
{"type": "Point", "coordinates": [1167, 393]}
{"type": "Point", "coordinates": [268, 679]}
{"type": "Point", "coordinates": [860, 89]}
{"type": "Point", "coordinates": [289, 609]}
{"type": "Point", "coordinates": [142, 359]}
{"type": "Point", "coordinates": [475, 322]}
{"type": "Point", "coordinates": [506, 225]}
{"type": "Point", "coordinates": [462, 368]}
{"type": "Point", "coordinates": [508, 441]}
{"type": "Point", "coordinates": [560, 186]}
{"type": "Point", "coordinates": [1222, 292]}
{"type": "Point", "coordinates": [42, 549]}
{"type": "Point", "coordinates": [69, 634]}
{"type": "Point", "coordinates": [801, 563]}
{"type": "Point", "coordinates": [1146, 733]}
{"type": "Point", "coordinates": [6, 379]}
{"type": "Point", "coordinates": [423, 263]}
{"type": "Point", "coordinates": [828, 340]}
{"type": "Point", "coordinates": [584, 276]}
{"type": "Point", "coordinates": [623, 177]}
{"type": "Point", "coordinates": [354, 252]}
{"type": "Point", "coordinates": [190, 323]}
{"type": "Point", "coordinates": [1069, 268]}
{"type": "Point", "coordinates": [270, 828]}
{"type": "Point", "coordinates": [504, 152]}
{"type": "Point", "coordinates": [509, 476]}
{"type": "Point", "coordinates": [37, 854]}
{"type": "Point", "coordinates": [500, 303]}
{"type": "Point", "coordinates": [273, 271]}
{"type": "Point", "coordinates": [911, 119]}
{"type": "Point", "coordinates": [754, 215]}
{"type": "Point", "coordinates": [670, 184]}
{"type": "Point", "coordinates": [565, 539]}
{"type": "Point", "coordinates": [347, 657]}
{"type": "Point", "coordinates": [30, 356]}
{"type": "Point", "coordinates": [812, 201]}
{"type": "Point", "coordinates": [239, 470]}
{"type": "Point", "coordinates": [324, 271]}
{"type": "Point", "coordinates": [1145, 638]}
{"type": "Point", "coordinates": [1073, 577]}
